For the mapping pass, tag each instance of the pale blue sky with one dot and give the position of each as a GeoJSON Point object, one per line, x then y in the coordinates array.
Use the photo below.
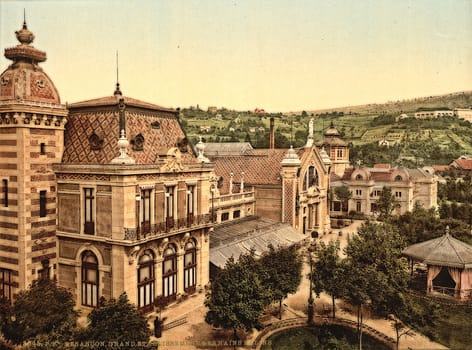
{"type": "Point", "coordinates": [280, 55]}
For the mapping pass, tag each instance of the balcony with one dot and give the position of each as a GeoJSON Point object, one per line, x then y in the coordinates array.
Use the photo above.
{"type": "Point", "coordinates": [232, 199]}
{"type": "Point", "coordinates": [165, 228]}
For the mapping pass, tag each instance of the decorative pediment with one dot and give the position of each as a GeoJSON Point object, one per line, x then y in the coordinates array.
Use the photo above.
{"type": "Point", "coordinates": [173, 161]}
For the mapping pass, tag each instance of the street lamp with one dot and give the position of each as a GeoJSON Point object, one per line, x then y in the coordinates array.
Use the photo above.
{"type": "Point", "coordinates": [311, 305]}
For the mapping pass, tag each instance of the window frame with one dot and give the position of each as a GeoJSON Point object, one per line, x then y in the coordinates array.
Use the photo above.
{"type": "Point", "coordinates": [42, 203]}
{"type": "Point", "coordinates": [190, 267]}
{"type": "Point", "coordinates": [146, 286]}
{"type": "Point", "coordinates": [89, 288]}
{"type": "Point", "coordinates": [89, 210]}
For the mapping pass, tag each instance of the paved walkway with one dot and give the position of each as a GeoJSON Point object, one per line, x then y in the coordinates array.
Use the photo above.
{"type": "Point", "coordinates": [196, 334]}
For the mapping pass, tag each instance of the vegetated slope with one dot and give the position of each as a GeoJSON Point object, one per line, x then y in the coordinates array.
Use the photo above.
{"type": "Point", "coordinates": [412, 142]}
{"type": "Point", "coordinates": [461, 99]}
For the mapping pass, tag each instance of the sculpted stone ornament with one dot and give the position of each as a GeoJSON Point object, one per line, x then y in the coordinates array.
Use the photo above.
{"type": "Point", "coordinates": [173, 162]}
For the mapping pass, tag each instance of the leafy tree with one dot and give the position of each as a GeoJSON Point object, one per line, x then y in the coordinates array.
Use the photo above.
{"type": "Point", "coordinates": [117, 320]}
{"type": "Point", "coordinates": [45, 313]}
{"type": "Point", "coordinates": [281, 272]}
{"type": "Point", "coordinates": [328, 272]}
{"type": "Point", "coordinates": [385, 204]}
{"type": "Point", "coordinates": [375, 273]}
{"type": "Point", "coordinates": [237, 297]}
{"type": "Point", "coordinates": [344, 195]}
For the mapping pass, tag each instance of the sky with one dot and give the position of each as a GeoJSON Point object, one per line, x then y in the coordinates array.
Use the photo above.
{"type": "Point", "coordinates": [279, 55]}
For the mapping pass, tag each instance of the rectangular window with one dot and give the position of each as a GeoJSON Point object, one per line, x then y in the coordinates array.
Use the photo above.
{"type": "Point", "coordinates": [358, 207]}
{"type": "Point", "coordinates": [89, 222]}
{"type": "Point", "coordinates": [5, 284]}
{"type": "Point", "coordinates": [190, 204]}
{"type": "Point", "coordinates": [224, 216]}
{"type": "Point", "coordinates": [170, 207]}
{"type": "Point", "coordinates": [146, 210]}
{"type": "Point", "coordinates": [42, 204]}
{"type": "Point", "coordinates": [42, 148]}
{"type": "Point", "coordinates": [5, 192]}
{"type": "Point", "coordinates": [236, 214]}
{"type": "Point", "coordinates": [398, 194]}
{"type": "Point", "coordinates": [358, 192]}
{"type": "Point", "coordinates": [340, 153]}
{"type": "Point", "coordinates": [373, 207]}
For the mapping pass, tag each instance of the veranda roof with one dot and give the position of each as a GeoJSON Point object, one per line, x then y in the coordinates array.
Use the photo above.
{"type": "Point", "coordinates": [239, 237]}
{"type": "Point", "coordinates": [442, 251]}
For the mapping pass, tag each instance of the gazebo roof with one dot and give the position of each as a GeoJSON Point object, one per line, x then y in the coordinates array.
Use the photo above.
{"type": "Point", "coordinates": [442, 251]}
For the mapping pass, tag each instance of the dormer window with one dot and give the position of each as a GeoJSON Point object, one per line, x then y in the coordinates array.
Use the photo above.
{"type": "Point", "coordinates": [398, 178]}
{"type": "Point", "coordinates": [359, 177]}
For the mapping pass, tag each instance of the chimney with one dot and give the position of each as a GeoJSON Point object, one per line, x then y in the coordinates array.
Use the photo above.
{"type": "Point", "coordinates": [271, 134]}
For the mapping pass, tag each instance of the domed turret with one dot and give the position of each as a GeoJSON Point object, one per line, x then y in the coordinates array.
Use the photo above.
{"type": "Point", "coordinates": [24, 80]}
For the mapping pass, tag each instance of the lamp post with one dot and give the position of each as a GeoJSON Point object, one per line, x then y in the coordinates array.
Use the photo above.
{"type": "Point", "coordinates": [311, 306]}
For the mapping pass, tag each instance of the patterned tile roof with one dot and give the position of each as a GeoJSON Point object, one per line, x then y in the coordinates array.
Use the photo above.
{"type": "Point", "coordinates": [260, 166]}
{"type": "Point", "coordinates": [92, 134]}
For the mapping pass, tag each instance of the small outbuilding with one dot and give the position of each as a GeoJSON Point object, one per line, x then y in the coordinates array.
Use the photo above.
{"type": "Point", "coordinates": [449, 265]}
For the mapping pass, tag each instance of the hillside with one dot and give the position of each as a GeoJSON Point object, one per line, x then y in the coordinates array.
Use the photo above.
{"type": "Point", "coordinates": [461, 99]}
{"type": "Point", "coordinates": [411, 141]}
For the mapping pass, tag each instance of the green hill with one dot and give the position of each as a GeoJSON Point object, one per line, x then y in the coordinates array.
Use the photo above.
{"type": "Point", "coordinates": [411, 141]}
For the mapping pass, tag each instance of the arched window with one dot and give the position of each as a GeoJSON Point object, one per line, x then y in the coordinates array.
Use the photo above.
{"type": "Point", "coordinates": [398, 178]}
{"type": "Point", "coordinates": [311, 178]}
{"type": "Point", "coordinates": [89, 279]}
{"type": "Point", "coordinates": [358, 177]}
{"type": "Point", "coordinates": [169, 273]}
{"type": "Point", "coordinates": [190, 267]}
{"type": "Point", "coordinates": [146, 280]}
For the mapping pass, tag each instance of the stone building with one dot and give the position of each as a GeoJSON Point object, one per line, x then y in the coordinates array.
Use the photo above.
{"type": "Point", "coordinates": [288, 186]}
{"type": "Point", "coordinates": [133, 216]}
{"type": "Point", "coordinates": [32, 121]}
{"type": "Point", "coordinates": [408, 186]}
{"type": "Point", "coordinates": [337, 149]}
{"type": "Point", "coordinates": [106, 195]}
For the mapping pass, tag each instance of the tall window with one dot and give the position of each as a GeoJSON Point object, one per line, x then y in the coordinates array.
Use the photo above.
{"type": "Point", "coordinates": [5, 284]}
{"type": "Point", "coordinates": [170, 207]}
{"type": "Point", "coordinates": [42, 204]}
{"type": "Point", "coordinates": [169, 273]}
{"type": "Point", "coordinates": [145, 211]}
{"type": "Point", "coordinates": [311, 178]}
{"type": "Point", "coordinates": [89, 223]}
{"type": "Point", "coordinates": [358, 207]}
{"type": "Point", "coordinates": [5, 192]}
{"type": "Point", "coordinates": [340, 152]}
{"type": "Point", "coordinates": [89, 279]}
{"type": "Point", "coordinates": [42, 148]}
{"type": "Point", "coordinates": [146, 280]}
{"type": "Point", "coordinates": [190, 204]}
{"type": "Point", "coordinates": [190, 267]}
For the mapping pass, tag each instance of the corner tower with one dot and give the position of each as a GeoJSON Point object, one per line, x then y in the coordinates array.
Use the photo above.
{"type": "Point", "coordinates": [32, 121]}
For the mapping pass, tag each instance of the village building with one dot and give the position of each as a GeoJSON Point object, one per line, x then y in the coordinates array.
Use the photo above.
{"type": "Point", "coordinates": [408, 186]}
{"type": "Point", "coordinates": [462, 165]}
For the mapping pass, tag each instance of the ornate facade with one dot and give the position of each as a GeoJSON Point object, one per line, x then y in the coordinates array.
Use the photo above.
{"type": "Point", "coordinates": [32, 121]}
{"type": "Point", "coordinates": [104, 195]}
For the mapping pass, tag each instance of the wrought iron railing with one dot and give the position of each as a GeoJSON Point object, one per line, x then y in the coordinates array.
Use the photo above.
{"type": "Point", "coordinates": [151, 230]}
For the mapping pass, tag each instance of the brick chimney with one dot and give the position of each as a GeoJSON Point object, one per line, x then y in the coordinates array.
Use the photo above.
{"type": "Point", "coordinates": [271, 134]}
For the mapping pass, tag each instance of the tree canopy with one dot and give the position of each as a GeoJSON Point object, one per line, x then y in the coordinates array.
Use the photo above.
{"type": "Point", "coordinates": [117, 321]}
{"type": "Point", "coordinates": [44, 313]}
{"type": "Point", "coordinates": [237, 296]}
{"type": "Point", "coordinates": [281, 272]}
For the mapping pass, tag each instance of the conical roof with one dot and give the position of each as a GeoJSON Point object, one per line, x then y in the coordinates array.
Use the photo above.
{"type": "Point", "coordinates": [442, 251]}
